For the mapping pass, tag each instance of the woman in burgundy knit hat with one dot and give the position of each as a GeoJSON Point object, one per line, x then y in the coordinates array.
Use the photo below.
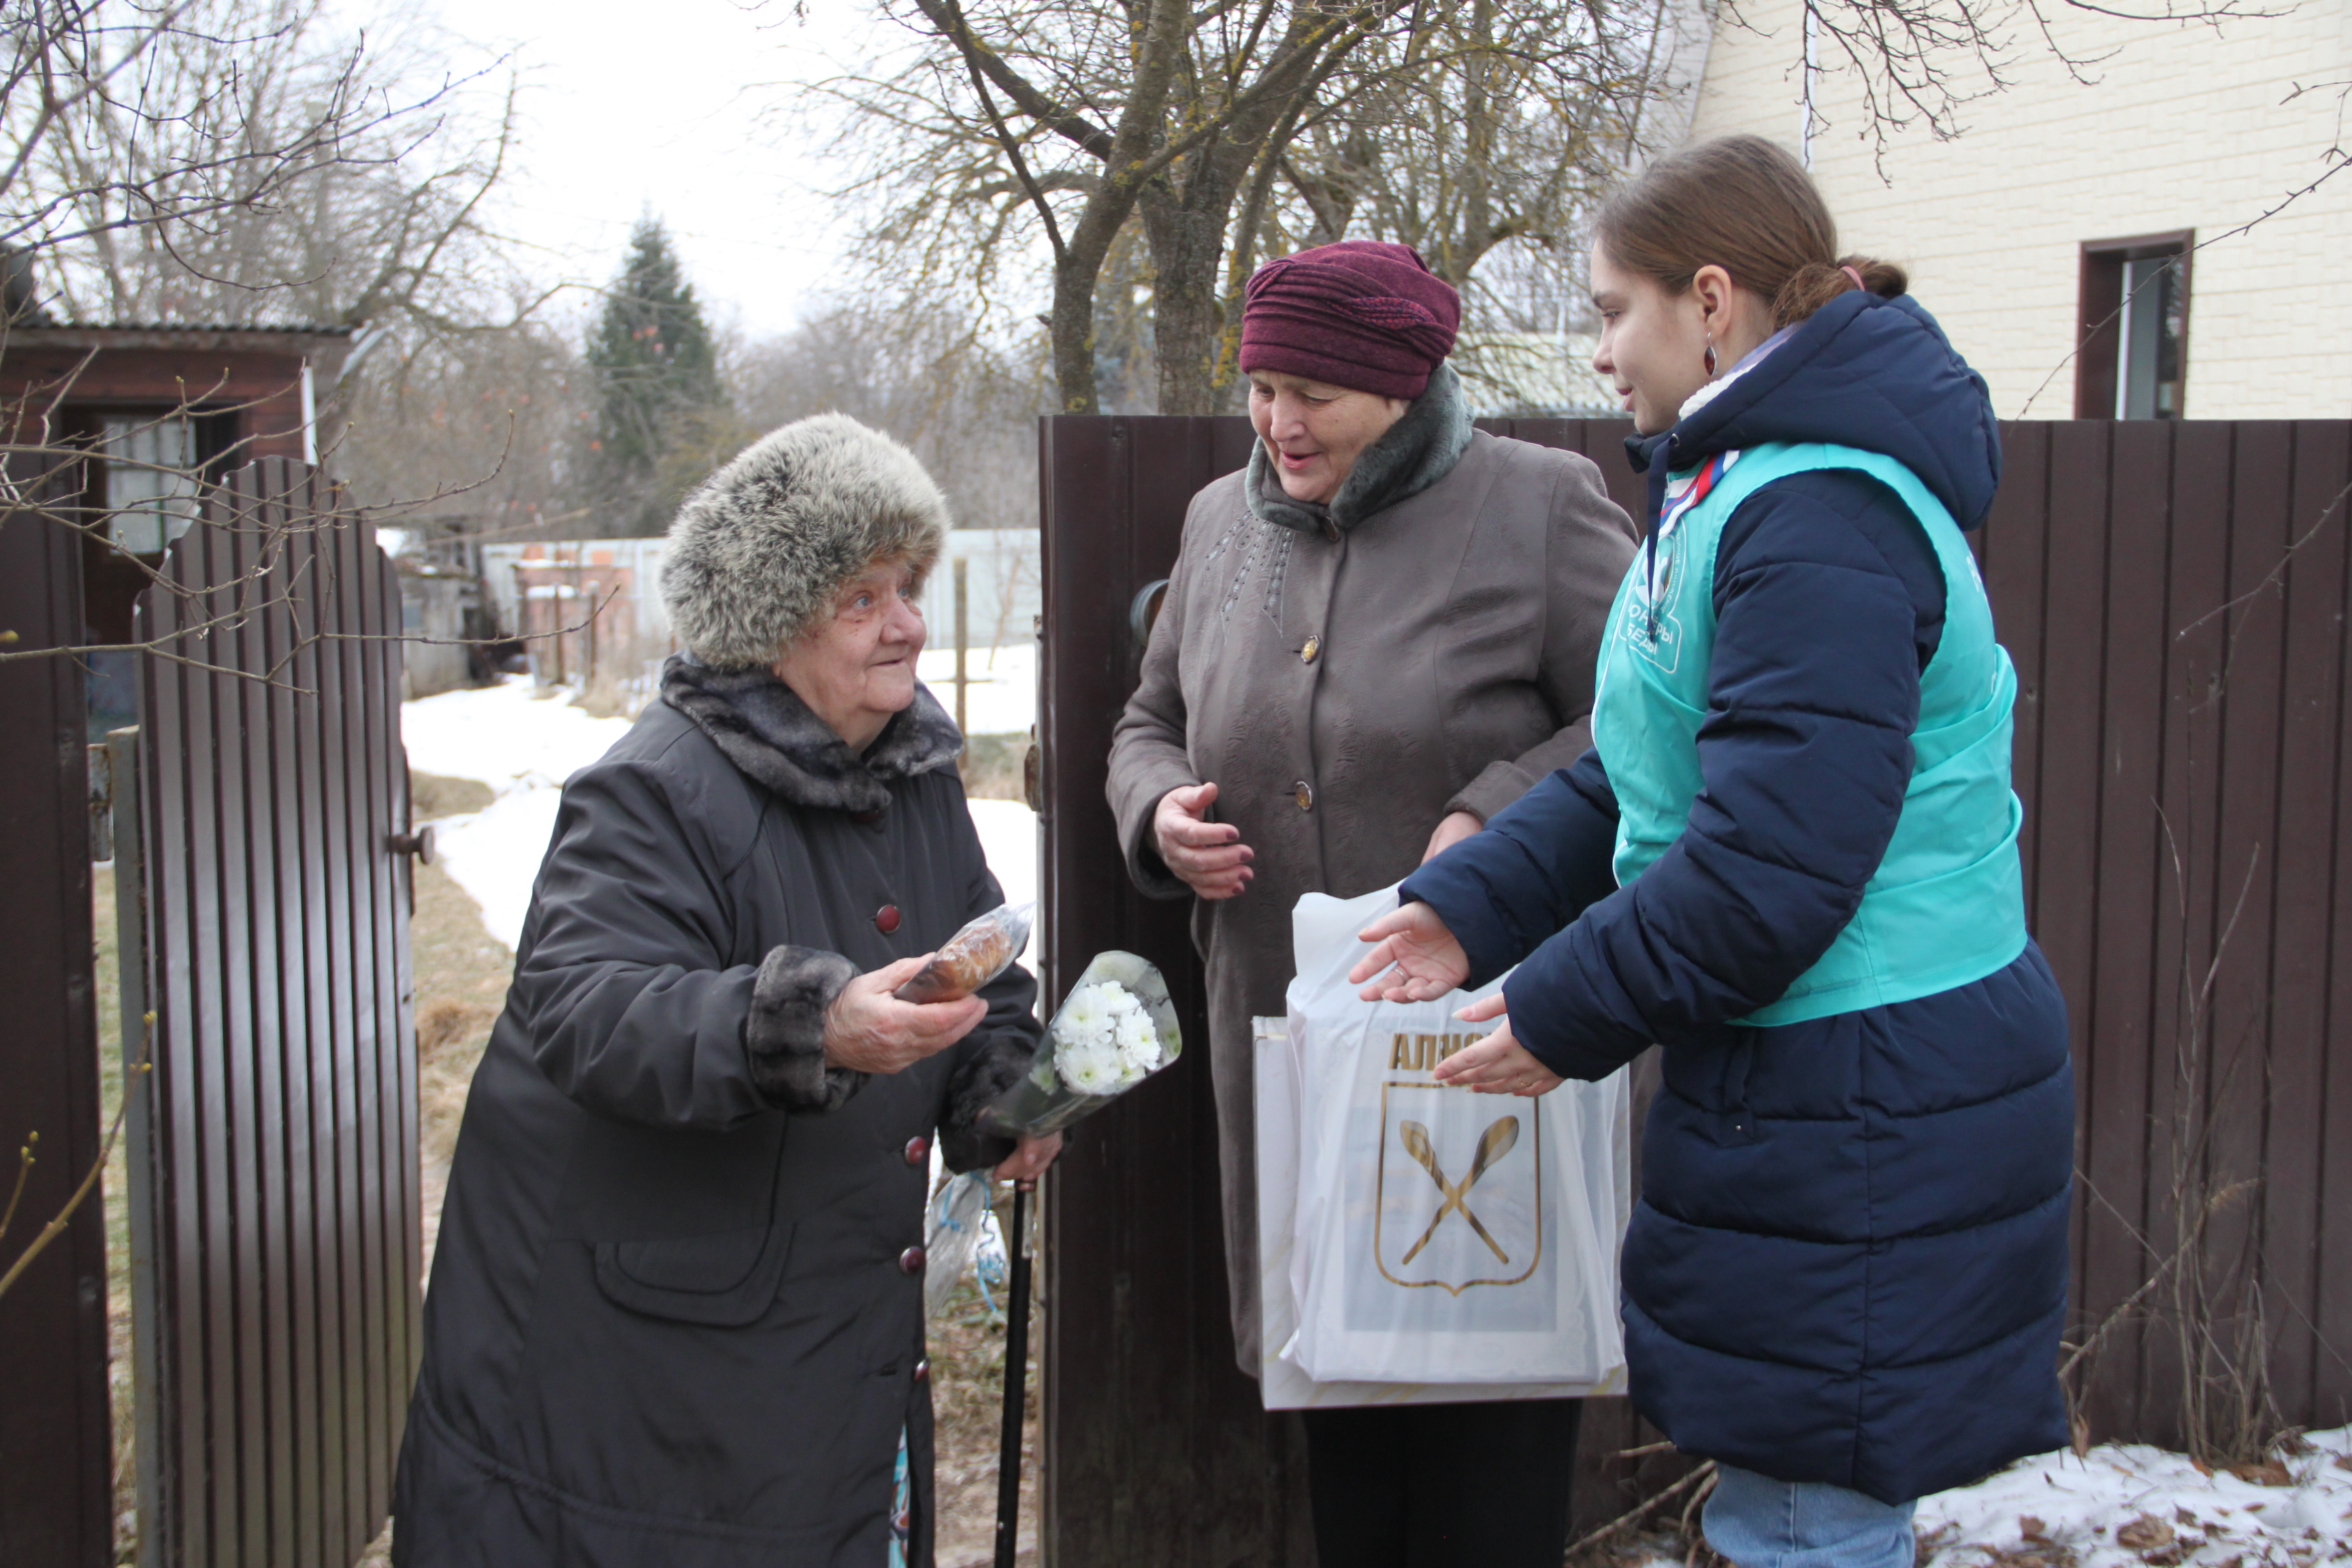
{"type": "Point", "coordinates": [1379, 634]}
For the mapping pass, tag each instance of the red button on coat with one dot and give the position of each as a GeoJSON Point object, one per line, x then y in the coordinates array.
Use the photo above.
{"type": "Point", "coordinates": [922, 1371]}
{"type": "Point", "coordinates": [912, 1260]}
{"type": "Point", "coordinates": [917, 1151]}
{"type": "Point", "coordinates": [886, 919]}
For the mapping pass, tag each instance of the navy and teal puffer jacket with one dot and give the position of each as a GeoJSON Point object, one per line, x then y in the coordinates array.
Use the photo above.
{"type": "Point", "coordinates": [1849, 1261]}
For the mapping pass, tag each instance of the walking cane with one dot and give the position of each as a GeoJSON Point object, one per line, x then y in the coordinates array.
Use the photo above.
{"type": "Point", "coordinates": [1016, 1380]}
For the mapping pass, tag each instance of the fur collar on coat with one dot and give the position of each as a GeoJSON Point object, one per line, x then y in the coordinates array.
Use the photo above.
{"type": "Point", "coordinates": [766, 730]}
{"type": "Point", "coordinates": [1418, 450]}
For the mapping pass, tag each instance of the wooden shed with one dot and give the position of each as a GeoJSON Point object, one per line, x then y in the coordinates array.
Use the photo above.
{"type": "Point", "coordinates": [159, 410]}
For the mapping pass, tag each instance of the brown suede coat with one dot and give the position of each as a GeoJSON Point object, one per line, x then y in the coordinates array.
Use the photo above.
{"type": "Point", "coordinates": [1346, 684]}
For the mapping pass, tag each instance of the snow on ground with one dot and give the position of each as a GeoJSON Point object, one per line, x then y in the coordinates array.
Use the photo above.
{"type": "Point", "coordinates": [2125, 1505]}
{"type": "Point", "coordinates": [524, 741]}
{"type": "Point", "coordinates": [510, 736]}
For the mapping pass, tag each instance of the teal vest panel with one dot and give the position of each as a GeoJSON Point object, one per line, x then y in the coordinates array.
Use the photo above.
{"type": "Point", "coordinates": [1947, 905]}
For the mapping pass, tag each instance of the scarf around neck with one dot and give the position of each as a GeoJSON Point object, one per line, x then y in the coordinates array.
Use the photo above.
{"type": "Point", "coordinates": [777, 740]}
{"type": "Point", "coordinates": [1417, 451]}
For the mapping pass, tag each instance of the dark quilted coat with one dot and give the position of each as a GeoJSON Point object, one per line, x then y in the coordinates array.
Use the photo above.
{"type": "Point", "coordinates": [675, 1318]}
{"type": "Point", "coordinates": [1849, 1261]}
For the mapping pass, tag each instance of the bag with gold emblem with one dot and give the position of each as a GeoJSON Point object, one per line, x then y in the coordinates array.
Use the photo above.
{"type": "Point", "coordinates": [1435, 1235]}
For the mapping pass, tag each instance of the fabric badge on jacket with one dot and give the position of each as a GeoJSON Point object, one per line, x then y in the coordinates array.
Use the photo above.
{"type": "Point", "coordinates": [1654, 589]}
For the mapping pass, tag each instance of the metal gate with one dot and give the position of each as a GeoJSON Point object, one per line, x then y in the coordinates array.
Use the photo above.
{"type": "Point", "coordinates": [275, 1183]}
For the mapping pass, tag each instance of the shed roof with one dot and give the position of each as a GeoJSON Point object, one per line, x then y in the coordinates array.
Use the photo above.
{"type": "Point", "coordinates": [178, 335]}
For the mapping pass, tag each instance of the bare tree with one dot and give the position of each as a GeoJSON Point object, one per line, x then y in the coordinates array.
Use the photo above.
{"type": "Point", "coordinates": [1923, 62]}
{"type": "Point", "coordinates": [924, 373]}
{"type": "Point", "coordinates": [226, 163]}
{"type": "Point", "coordinates": [1046, 130]}
{"type": "Point", "coordinates": [177, 157]}
{"type": "Point", "coordinates": [481, 432]}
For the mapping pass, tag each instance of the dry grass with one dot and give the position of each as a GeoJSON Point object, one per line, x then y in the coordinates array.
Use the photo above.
{"type": "Point", "coordinates": [966, 1342]}
{"type": "Point", "coordinates": [461, 987]}
{"type": "Point", "coordinates": [431, 796]}
{"type": "Point", "coordinates": [114, 1189]}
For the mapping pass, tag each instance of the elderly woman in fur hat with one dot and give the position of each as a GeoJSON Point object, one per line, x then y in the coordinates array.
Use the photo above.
{"type": "Point", "coordinates": [676, 1313]}
{"type": "Point", "coordinates": [1379, 634]}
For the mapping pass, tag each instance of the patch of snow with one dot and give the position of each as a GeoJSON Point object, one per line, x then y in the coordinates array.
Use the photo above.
{"type": "Point", "coordinates": [514, 735]}
{"type": "Point", "coordinates": [495, 853]}
{"type": "Point", "coordinates": [523, 740]}
{"type": "Point", "coordinates": [2126, 1505]}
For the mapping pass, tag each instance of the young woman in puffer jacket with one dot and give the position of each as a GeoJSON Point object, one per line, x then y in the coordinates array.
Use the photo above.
{"type": "Point", "coordinates": [1790, 858]}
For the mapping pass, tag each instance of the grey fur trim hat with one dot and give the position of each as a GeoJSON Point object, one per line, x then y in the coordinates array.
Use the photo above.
{"type": "Point", "coordinates": [756, 553]}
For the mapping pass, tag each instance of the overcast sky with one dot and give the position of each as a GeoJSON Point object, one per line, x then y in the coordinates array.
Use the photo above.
{"type": "Point", "coordinates": [671, 108]}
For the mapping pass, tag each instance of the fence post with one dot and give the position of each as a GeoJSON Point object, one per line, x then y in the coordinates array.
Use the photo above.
{"type": "Point", "coordinates": [961, 680]}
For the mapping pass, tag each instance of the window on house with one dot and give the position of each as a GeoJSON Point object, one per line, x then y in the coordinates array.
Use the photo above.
{"type": "Point", "coordinates": [2132, 343]}
{"type": "Point", "coordinates": [149, 465]}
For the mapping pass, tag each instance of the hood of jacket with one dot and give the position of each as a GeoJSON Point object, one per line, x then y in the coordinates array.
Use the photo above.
{"type": "Point", "coordinates": [777, 740]}
{"type": "Point", "coordinates": [1864, 372]}
{"type": "Point", "coordinates": [1414, 453]}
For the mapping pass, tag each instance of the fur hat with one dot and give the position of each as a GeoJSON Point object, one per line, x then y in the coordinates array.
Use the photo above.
{"type": "Point", "coordinates": [759, 551]}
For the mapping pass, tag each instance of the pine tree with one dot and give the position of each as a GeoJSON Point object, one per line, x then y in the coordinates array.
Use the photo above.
{"type": "Point", "coordinates": [657, 378]}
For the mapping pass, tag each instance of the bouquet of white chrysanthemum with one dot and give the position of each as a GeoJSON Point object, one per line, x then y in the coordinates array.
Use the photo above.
{"type": "Point", "coordinates": [1115, 1029]}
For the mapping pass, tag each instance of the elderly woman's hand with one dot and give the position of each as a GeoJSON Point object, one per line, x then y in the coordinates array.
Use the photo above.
{"type": "Point", "coordinates": [1456, 826]}
{"type": "Point", "coordinates": [1417, 958]}
{"type": "Point", "coordinates": [1209, 855]}
{"type": "Point", "coordinates": [866, 1029]}
{"type": "Point", "coordinates": [1030, 1157]}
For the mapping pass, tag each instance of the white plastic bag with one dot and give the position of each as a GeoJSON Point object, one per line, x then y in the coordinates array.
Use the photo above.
{"type": "Point", "coordinates": [958, 1230]}
{"type": "Point", "coordinates": [1416, 1235]}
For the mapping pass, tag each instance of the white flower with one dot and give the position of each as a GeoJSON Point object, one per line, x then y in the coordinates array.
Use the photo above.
{"type": "Point", "coordinates": [1104, 1041]}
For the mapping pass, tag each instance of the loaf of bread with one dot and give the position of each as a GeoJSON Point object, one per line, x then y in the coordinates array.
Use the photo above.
{"type": "Point", "coordinates": [975, 955]}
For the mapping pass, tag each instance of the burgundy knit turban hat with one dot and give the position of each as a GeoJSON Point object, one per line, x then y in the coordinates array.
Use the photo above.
{"type": "Point", "coordinates": [1364, 314]}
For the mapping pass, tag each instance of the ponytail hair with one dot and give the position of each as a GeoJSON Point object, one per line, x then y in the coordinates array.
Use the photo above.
{"type": "Point", "coordinates": [1742, 204]}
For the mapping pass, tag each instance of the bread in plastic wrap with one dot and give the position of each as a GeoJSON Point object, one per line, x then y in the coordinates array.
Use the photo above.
{"type": "Point", "coordinates": [985, 949]}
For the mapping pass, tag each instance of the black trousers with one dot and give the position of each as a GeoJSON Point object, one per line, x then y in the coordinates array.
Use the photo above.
{"type": "Point", "coordinates": [1441, 1485]}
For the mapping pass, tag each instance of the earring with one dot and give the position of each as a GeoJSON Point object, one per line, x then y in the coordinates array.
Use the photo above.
{"type": "Point", "coordinates": [1710, 354]}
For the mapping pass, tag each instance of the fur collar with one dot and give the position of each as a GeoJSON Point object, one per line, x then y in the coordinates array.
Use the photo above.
{"type": "Point", "coordinates": [1418, 449]}
{"type": "Point", "coordinates": [768, 731]}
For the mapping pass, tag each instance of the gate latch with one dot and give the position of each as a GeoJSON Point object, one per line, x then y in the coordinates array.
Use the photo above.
{"type": "Point", "coordinates": [417, 842]}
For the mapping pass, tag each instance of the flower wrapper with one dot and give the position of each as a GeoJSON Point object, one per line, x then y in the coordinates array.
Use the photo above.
{"type": "Point", "coordinates": [1115, 1029]}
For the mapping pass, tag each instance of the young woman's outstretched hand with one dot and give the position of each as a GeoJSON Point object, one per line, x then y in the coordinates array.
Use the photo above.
{"type": "Point", "coordinates": [1418, 961]}
{"type": "Point", "coordinates": [1417, 958]}
{"type": "Point", "coordinates": [1497, 1064]}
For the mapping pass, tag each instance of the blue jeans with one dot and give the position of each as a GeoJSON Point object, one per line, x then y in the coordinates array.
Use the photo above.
{"type": "Point", "coordinates": [1759, 1522]}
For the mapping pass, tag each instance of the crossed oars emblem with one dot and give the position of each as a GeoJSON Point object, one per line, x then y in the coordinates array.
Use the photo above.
{"type": "Point", "coordinates": [1492, 1144]}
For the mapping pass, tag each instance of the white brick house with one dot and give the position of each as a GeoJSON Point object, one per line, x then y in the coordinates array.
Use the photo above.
{"type": "Point", "coordinates": [2184, 134]}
